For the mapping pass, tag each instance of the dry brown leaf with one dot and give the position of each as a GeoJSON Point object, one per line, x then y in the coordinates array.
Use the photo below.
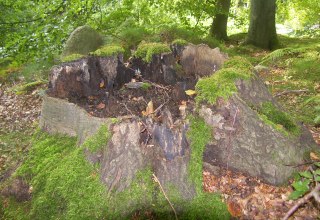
{"type": "Point", "coordinates": [314, 156]}
{"type": "Point", "coordinates": [190, 92]}
{"type": "Point", "coordinates": [234, 208]}
{"type": "Point", "coordinates": [149, 110]}
{"type": "Point", "coordinates": [101, 85]}
{"type": "Point", "coordinates": [101, 106]}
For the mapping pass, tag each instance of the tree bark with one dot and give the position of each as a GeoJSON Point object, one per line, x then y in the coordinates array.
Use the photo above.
{"type": "Point", "coordinates": [219, 24]}
{"type": "Point", "coordinates": [262, 28]}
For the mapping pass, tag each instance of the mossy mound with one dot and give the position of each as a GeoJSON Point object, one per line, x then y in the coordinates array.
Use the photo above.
{"type": "Point", "coordinates": [108, 50]}
{"type": "Point", "coordinates": [222, 82]}
{"type": "Point", "coordinates": [72, 57]}
{"type": "Point", "coordinates": [179, 42]}
{"type": "Point", "coordinates": [145, 51]}
{"type": "Point", "coordinates": [82, 40]}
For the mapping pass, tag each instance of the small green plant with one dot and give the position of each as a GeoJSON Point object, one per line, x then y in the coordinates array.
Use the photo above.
{"type": "Point", "coordinates": [147, 50]}
{"type": "Point", "coordinates": [72, 57]}
{"type": "Point", "coordinates": [145, 86]}
{"type": "Point", "coordinates": [305, 181]}
{"type": "Point", "coordinates": [108, 50]}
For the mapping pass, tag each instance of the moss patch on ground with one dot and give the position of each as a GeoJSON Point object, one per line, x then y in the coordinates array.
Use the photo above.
{"type": "Point", "coordinates": [27, 87]}
{"type": "Point", "coordinates": [145, 51]}
{"type": "Point", "coordinates": [222, 82]}
{"type": "Point", "coordinates": [108, 50]}
{"type": "Point", "coordinates": [296, 68]}
{"type": "Point", "coordinates": [65, 185]}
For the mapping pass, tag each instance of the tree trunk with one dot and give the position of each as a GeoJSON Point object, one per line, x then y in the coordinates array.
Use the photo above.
{"type": "Point", "coordinates": [219, 24]}
{"type": "Point", "coordinates": [262, 28]}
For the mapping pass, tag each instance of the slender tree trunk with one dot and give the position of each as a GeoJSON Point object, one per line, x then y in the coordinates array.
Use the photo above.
{"type": "Point", "coordinates": [262, 28]}
{"type": "Point", "coordinates": [219, 24]}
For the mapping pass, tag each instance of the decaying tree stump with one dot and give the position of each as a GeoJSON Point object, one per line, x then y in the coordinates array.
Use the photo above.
{"type": "Point", "coordinates": [158, 140]}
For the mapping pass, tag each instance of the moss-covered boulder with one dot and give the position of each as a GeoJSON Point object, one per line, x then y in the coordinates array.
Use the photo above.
{"type": "Point", "coordinates": [82, 40]}
{"type": "Point", "coordinates": [252, 134]}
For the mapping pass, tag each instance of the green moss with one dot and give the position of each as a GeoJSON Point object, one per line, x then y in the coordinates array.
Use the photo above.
{"type": "Point", "coordinates": [220, 84]}
{"type": "Point", "coordinates": [199, 134]}
{"type": "Point", "coordinates": [22, 89]}
{"type": "Point", "coordinates": [72, 57]}
{"type": "Point", "coordinates": [239, 63]}
{"type": "Point", "coordinates": [146, 86]}
{"type": "Point", "coordinates": [278, 119]}
{"type": "Point", "coordinates": [65, 185]}
{"type": "Point", "coordinates": [98, 140]}
{"type": "Point", "coordinates": [180, 42]}
{"type": "Point", "coordinates": [206, 206]}
{"type": "Point", "coordinates": [108, 50]}
{"type": "Point", "coordinates": [147, 50]}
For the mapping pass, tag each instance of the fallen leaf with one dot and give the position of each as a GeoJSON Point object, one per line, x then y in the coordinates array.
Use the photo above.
{"type": "Point", "coordinates": [149, 110]}
{"type": "Point", "coordinates": [101, 85]}
{"type": "Point", "coordinates": [314, 156]}
{"type": "Point", "coordinates": [190, 92]}
{"type": "Point", "coordinates": [101, 106]}
{"type": "Point", "coordinates": [234, 208]}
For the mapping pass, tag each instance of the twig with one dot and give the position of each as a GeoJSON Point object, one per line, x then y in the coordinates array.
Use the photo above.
{"type": "Point", "coordinates": [156, 85]}
{"type": "Point", "coordinates": [291, 91]}
{"type": "Point", "coordinates": [127, 108]}
{"type": "Point", "coordinates": [157, 181]}
{"type": "Point", "coordinates": [160, 106]}
{"type": "Point", "coordinates": [303, 200]}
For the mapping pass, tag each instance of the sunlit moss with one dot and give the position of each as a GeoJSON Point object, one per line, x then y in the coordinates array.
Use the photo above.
{"type": "Point", "coordinates": [180, 42]}
{"type": "Point", "coordinates": [108, 50]}
{"type": "Point", "coordinates": [72, 57]}
{"type": "Point", "coordinates": [98, 140]}
{"type": "Point", "coordinates": [147, 50]}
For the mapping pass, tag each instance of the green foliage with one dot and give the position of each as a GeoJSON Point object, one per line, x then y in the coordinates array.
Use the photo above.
{"type": "Point", "coordinates": [72, 57]}
{"type": "Point", "coordinates": [65, 185]}
{"type": "Point", "coordinates": [199, 134]}
{"type": "Point", "coordinates": [99, 140]}
{"type": "Point", "coordinates": [147, 50]}
{"type": "Point", "coordinates": [145, 86]}
{"type": "Point", "coordinates": [277, 117]}
{"type": "Point", "coordinates": [222, 82]}
{"type": "Point", "coordinates": [108, 50]}
{"type": "Point", "coordinates": [305, 181]}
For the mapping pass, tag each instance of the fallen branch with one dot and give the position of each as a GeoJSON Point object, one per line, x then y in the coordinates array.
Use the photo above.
{"type": "Point", "coordinates": [303, 200]}
{"type": "Point", "coordinates": [291, 91]}
{"type": "Point", "coordinates": [157, 181]}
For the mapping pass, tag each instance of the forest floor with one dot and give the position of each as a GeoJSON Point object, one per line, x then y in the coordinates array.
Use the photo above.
{"type": "Point", "coordinates": [246, 197]}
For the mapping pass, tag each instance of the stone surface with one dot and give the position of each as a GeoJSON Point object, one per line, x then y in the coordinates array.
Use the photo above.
{"type": "Point", "coordinates": [82, 40]}
{"type": "Point", "coordinates": [61, 116]}
{"type": "Point", "coordinates": [243, 142]}
{"type": "Point", "coordinates": [201, 60]}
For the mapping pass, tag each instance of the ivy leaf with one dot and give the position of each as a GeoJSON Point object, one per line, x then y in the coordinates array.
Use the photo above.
{"type": "Point", "coordinates": [317, 179]}
{"type": "Point", "coordinates": [317, 164]}
{"type": "Point", "coordinates": [302, 186]}
{"type": "Point", "coordinates": [295, 195]}
{"type": "Point", "coordinates": [306, 174]}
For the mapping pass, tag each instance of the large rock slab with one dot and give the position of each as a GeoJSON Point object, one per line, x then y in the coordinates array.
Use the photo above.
{"type": "Point", "coordinates": [243, 141]}
{"type": "Point", "coordinates": [61, 116]}
{"type": "Point", "coordinates": [82, 40]}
